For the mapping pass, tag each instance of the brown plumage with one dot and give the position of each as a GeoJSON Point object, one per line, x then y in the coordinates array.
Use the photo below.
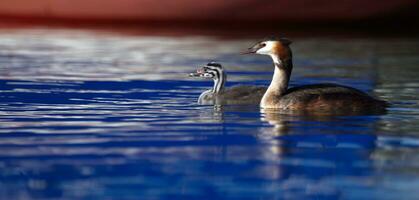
{"type": "Point", "coordinates": [330, 98]}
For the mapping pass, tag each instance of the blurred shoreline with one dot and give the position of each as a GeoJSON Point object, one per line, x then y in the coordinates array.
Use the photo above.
{"type": "Point", "coordinates": [224, 29]}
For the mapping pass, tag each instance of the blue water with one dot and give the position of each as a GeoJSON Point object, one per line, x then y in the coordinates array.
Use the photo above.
{"type": "Point", "coordinates": [97, 115]}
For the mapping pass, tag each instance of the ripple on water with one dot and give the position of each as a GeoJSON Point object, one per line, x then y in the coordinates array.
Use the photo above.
{"type": "Point", "coordinates": [94, 115]}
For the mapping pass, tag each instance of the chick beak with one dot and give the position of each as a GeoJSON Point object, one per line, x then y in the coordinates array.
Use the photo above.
{"type": "Point", "coordinates": [198, 73]}
{"type": "Point", "coordinates": [193, 75]}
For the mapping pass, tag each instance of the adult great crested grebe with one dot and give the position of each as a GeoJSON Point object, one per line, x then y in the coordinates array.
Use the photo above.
{"type": "Point", "coordinates": [317, 97]}
{"type": "Point", "coordinates": [219, 95]}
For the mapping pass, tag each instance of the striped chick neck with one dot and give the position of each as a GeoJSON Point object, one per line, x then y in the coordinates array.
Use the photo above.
{"type": "Point", "coordinates": [219, 76]}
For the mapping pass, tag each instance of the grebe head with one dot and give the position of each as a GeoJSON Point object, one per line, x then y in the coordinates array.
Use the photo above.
{"type": "Point", "coordinates": [212, 70]}
{"type": "Point", "coordinates": [272, 47]}
{"type": "Point", "coordinates": [202, 73]}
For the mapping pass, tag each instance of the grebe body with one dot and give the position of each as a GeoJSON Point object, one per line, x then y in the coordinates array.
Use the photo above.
{"type": "Point", "coordinates": [318, 97]}
{"type": "Point", "coordinates": [324, 97]}
{"type": "Point", "coordinates": [219, 95]}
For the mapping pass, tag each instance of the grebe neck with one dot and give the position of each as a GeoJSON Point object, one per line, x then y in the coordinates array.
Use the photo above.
{"type": "Point", "coordinates": [281, 77]}
{"type": "Point", "coordinates": [219, 82]}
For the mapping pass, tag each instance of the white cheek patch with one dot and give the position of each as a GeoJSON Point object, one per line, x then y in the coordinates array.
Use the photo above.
{"type": "Point", "coordinates": [266, 50]}
{"type": "Point", "coordinates": [206, 75]}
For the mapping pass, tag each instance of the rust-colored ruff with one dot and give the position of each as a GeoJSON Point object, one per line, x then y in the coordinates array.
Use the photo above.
{"type": "Point", "coordinates": [281, 49]}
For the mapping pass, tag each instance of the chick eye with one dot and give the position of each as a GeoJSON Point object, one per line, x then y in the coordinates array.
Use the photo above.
{"type": "Point", "coordinates": [263, 44]}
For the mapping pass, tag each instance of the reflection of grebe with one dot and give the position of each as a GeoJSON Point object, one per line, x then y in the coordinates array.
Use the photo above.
{"type": "Point", "coordinates": [218, 95]}
{"type": "Point", "coordinates": [318, 97]}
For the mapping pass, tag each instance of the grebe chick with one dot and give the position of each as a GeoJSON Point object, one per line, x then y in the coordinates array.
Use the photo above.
{"type": "Point", "coordinates": [330, 98]}
{"type": "Point", "coordinates": [219, 95]}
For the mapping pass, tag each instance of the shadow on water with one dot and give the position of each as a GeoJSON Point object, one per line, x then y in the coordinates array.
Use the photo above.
{"type": "Point", "coordinates": [89, 117]}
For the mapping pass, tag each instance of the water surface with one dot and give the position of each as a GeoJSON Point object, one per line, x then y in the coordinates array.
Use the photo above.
{"type": "Point", "coordinates": [94, 115]}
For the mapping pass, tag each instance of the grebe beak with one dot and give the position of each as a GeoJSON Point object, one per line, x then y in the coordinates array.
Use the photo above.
{"type": "Point", "coordinates": [194, 75]}
{"type": "Point", "coordinates": [198, 73]}
{"type": "Point", "coordinates": [253, 49]}
{"type": "Point", "coordinates": [248, 51]}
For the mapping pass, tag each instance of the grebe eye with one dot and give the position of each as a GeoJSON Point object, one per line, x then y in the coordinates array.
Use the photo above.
{"type": "Point", "coordinates": [263, 44]}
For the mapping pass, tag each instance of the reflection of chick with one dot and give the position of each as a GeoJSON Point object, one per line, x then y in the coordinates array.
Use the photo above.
{"type": "Point", "coordinates": [211, 114]}
{"type": "Point", "coordinates": [218, 95]}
